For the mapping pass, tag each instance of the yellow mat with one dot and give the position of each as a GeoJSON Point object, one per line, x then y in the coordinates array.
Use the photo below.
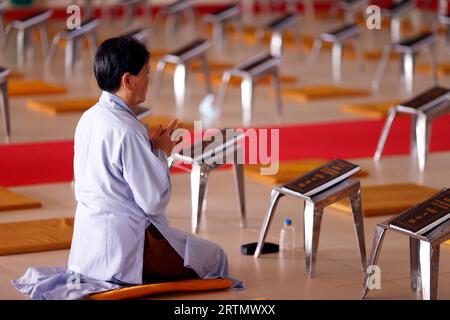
{"type": "Point", "coordinates": [375, 110]}
{"type": "Point", "coordinates": [13, 201]}
{"type": "Point", "coordinates": [153, 122]}
{"type": "Point", "coordinates": [57, 106]}
{"type": "Point", "coordinates": [134, 292]}
{"type": "Point", "coordinates": [214, 66]}
{"type": "Point", "coordinates": [216, 79]}
{"type": "Point", "coordinates": [288, 170]}
{"type": "Point", "coordinates": [443, 69]}
{"type": "Point", "coordinates": [35, 236]}
{"type": "Point", "coordinates": [322, 92]}
{"type": "Point", "coordinates": [388, 199]}
{"type": "Point", "coordinates": [19, 88]}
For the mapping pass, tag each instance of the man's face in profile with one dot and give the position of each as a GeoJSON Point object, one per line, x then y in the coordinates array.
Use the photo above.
{"type": "Point", "coordinates": [141, 81]}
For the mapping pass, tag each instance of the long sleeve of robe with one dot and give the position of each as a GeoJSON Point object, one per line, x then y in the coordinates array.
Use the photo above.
{"type": "Point", "coordinates": [122, 186]}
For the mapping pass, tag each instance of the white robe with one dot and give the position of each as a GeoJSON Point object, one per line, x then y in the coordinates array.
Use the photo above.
{"type": "Point", "coordinates": [122, 186]}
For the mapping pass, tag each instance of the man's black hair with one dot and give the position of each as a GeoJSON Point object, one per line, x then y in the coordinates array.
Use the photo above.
{"type": "Point", "coordinates": [115, 57]}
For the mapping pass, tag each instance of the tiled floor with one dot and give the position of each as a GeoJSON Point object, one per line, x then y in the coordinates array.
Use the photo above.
{"type": "Point", "coordinates": [273, 276]}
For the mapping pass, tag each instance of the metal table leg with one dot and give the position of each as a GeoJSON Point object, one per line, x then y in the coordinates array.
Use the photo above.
{"type": "Point", "coordinates": [199, 180]}
{"type": "Point", "coordinates": [239, 176]}
{"type": "Point", "coordinates": [415, 264]}
{"type": "Point", "coordinates": [160, 66]}
{"type": "Point", "coordinates": [315, 51]}
{"type": "Point", "coordinates": [312, 221]}
{"type": "Point", "coordinates": [337, 61]}
{"type": "Point", "coordinates": [5, 111]}
{"type": "Point", "coordinates": [384, 134]}
{"type": "Point", "coordinates": [422, 136]}
{"type": "Point", "coordinates": [408, 69]}
{"type": "Point", "coordinates": [358, 222]}
{"type": "Point", "coordinates": [277, 88]}
{"type": "Point", "coordinates": [429, 269]}
{"type": "Point", "coordinates": [373, 259]}
{"type": "Point", "coordinates": [247, 99]}
{"type": "Point", "coordinates": [276, 45]}
{"type": "Point", "coordinates": [179, 84]}
{"type": "Point", "coordinates": [274, 198]}
{"type": "Point", "coordinates": [207, 75]}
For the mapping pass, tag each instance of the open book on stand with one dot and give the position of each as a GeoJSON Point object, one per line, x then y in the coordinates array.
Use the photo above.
{"type": "Point", "coordinates": [322, 178]}
{"type": "Point", "coordinates": [424, 216]}
{"type": "Point", "coordinates": [211, 146]}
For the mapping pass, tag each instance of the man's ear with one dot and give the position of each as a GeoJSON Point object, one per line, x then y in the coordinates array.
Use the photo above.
{"type": "Point", "coordinates": [126, 80]}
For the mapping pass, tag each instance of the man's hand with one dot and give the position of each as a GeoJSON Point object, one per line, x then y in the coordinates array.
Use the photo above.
{"type": "Point", "coordinates": [162, 137]}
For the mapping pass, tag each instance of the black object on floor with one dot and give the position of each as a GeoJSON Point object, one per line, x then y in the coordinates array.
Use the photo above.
{"type": "Point", "coordinates": [249, 248]}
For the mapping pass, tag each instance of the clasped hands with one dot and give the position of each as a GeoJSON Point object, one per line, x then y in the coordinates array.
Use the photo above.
{"type": "Point", "coordinates": [162, 137]}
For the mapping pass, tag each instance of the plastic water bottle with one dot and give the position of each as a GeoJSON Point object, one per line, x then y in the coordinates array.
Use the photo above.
{"type": "Point", "coordinates": [287, 236]}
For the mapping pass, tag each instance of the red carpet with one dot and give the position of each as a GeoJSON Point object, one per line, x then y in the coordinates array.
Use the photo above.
{"type": "Point", "coordinates": [36, 163]}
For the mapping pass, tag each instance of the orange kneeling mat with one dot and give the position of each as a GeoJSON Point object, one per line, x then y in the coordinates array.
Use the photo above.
{"type": "Point", "coordinates": [19, 88]}
{"type": "Point", "coordinates": [13, 201]}
{"type": "Point", "coordinates": [216, 79]}
{"type": "Point", "coordinates": [443, 69]}
{"type": "Point", "coordinates": [388, 199]}
{"type": "Point", "coordinates": [288, 170]}
{"type": "Point", "coordinates": [57, 106]}
{"type": "Point", "coordinates": [375, 110]}
{"type": "Point", "coordinates": [134, 292]}
{"type": "Point", "coordinates": [35, 236]}
{"type": "Point", "coordinates": [322, 92]}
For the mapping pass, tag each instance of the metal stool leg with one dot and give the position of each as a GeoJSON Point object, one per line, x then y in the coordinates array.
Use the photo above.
{"type": "Point", "coordinates": [357, 45]}
{"type": "Point", "coordinates": [415, 265]}
{"type": "Point", "coordinates": [429, 269]}
{"type": "Point", "coordinates": [337, 61]}
{"type": "Point", "coordinates": [44, 39]}
{"type": "Point", "coordinates": [29, 47]}
{"type": "Point", "coordinates": [190, 13]}
{"type": "Point", "coordinates": [78, 50]}
{"type": "Point", "coordinates": [274, 198]}
{"type": "Point", "coordinates": [207, 75]}
{"type": "Point", "coordinates": [395, 29]}
{"type": "Point", "coordinates": [92, 39]}
{"type": "Point", "coordinates": [247, 99]}
{"type": "Point", "coordinates": [315, 51]}
{"type": "Point", "coordinates": [381, 67]}
{"type": "Point", "coordinates": [432, 54]}
{"type": "Point", "coordinates": [422, 135]}
{"type": "Point", "coordinates": [70, 53]}
{"type": "Point", "coordinates": [5, 111]}
{"type": "Point", "coordinates": [160, 66]}
{"type": "Point", "coordinates": [298, 40]}
{"type": "Point", "coordinates": [276, 45]}
{"type": "Point", "coordinates": [20, 46]}
{"type": "Point", "coordinates": [239, 175]}
{"type": "Point", "coordinates": [384, 134]}
{"type": "Point", "coordinates": [199, 180]}
{"type": "Point", "coordinates": [218, 35]}
{"type": "Point", "coordinates": [349, 16]}
{"type": "Point", "coordinates": [53, 49]}
{"type": "Point", "coordinates": [7, 35]}
{"type": "Point", "coordinates": [373, 259]}
{"type": "Point", "coordinates": [277, 88]}
{"type": "Point", "coordinates": [413, 144]}
{"type": "Point", "coordinates": [408, 69]}
{"type": "Point", "coordinates": [220, 98]}
{"type": "Point", "coordinates": [179, 84]}
{"type": "Point", "coordinates": [355, 201]}
{"type": "Point", "coordinates": [312, 219]}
